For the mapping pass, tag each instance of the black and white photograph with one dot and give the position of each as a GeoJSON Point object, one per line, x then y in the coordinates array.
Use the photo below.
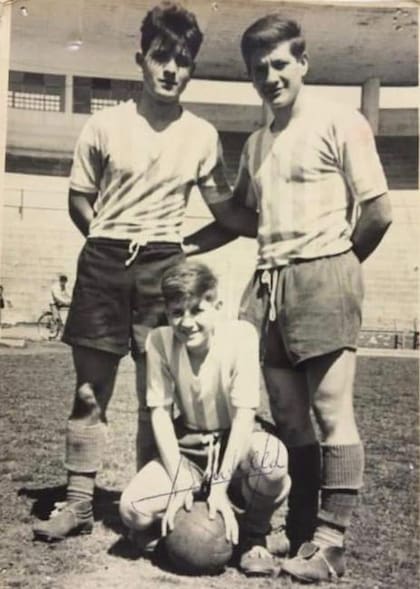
{"type": "Point", "coordinates": [209, 294]}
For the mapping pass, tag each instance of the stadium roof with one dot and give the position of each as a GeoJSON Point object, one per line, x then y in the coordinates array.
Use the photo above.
{"type": "Point", "coordinates": [348, 42]}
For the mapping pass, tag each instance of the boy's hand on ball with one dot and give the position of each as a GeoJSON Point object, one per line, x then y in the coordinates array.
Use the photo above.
{"type": "Point", "coordinates": [218, 501]}
{"type": "Point", "coordinates": [176, 501]}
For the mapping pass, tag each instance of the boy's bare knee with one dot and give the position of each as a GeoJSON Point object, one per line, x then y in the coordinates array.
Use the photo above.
{"type": "Point", "coordinates": [86, 407]}
{"type": "Point", "coordinates": [133, 512]}
{"type": "Point", "coordinates": [268, 457]}
{"type": "Point", "coordinates": [336, 422]}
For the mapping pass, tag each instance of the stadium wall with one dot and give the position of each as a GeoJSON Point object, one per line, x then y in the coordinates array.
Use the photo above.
{"type": "Point", "coordinates": [40, 242]}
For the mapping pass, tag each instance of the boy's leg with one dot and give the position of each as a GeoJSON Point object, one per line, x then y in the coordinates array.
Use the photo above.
{"type": "Point", "coordinates": [146, 498]}
{"type": "Point", "coordinates": [85, 439]}
{"type": "Point", "coordinates": [148, 311]}
{"type": "Point", "coordinates": [290, 408]}
{"type": "Point", "coordinates": [330, 382]}
{"type": "Point", "coordinates": [145, 441]}
{"type": "Point", "coordinates": [265, 485]}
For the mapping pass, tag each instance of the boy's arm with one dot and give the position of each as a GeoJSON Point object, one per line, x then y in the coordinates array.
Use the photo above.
{"type": "Point", "coordinates": [167, 443]}
{"type": "Point", "coordinates": [365, 176]}
{"type": "Point", "coordinates": [244, 395]}
{"type": "Point", "coordinates": [233, 217]}
{"type": "Point", "coordinates": [86, 174]}
{"type": "Point", "coordinates": [374, 219]}
{"type": "Point", "coordinates": [239, 436]}
{"type": "Point", "coordinates": [81, 209]}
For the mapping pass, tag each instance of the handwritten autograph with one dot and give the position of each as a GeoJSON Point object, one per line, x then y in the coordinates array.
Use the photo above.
{"type": "Point", "coordinates": [257, 469]}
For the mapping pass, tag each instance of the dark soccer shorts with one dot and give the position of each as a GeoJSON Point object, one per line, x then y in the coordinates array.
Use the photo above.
{"type": "Point", "coordinates": [306, 309]}
{"type": "Point", "coordinates": [114, 305]}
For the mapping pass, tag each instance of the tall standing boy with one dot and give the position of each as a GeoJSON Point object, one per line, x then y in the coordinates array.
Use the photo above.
{"type": "Point", "coordinates": [314, 176]}
{"type": "Point", "coordinates": [134, 167]}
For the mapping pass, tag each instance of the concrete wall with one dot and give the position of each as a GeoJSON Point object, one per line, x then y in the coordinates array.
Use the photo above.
{"type": "Point", "coordinates": [40, 241]}
{"type": "Point", "coordinates": [55, 133]}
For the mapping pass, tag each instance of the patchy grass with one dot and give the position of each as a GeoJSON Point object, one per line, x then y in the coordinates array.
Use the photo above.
{"type": "Point", "coordinates": [36, 395]}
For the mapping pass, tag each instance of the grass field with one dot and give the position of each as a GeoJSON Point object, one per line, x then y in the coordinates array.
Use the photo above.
{"type": "Point", "coordinates": [36, 387]}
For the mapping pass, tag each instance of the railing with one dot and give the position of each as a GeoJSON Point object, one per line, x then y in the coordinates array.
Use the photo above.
{"type": "Point", "coordinates": [390, 338]}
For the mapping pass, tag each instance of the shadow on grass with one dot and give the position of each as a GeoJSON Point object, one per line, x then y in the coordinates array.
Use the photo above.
{"type": "Point", "coordinates": [125, 549]}
{"type": "Point", "coordinates": [105, 504]}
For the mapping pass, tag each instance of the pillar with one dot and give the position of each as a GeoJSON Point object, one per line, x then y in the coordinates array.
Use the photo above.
{"type": "Point", "coordinates": [370, 102]}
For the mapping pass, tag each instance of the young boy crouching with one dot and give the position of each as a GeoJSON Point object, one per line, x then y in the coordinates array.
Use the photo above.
{"type": "Point", "coordinates": [209, 369]}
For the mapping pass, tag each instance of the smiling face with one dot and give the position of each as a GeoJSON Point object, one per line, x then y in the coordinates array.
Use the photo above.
{"type": "Point", "coordinates": [277, 75]}
{"type": "Point", "coordinates": [193, 320]}
{"type": "Point", "coordinates": [166, 70]}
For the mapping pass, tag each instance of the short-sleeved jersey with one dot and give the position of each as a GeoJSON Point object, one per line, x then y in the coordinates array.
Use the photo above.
{"type": "Point", "coordinates": [306, 180]}
{"type": "Point", "coordinates": [227, 379]}
{"type": "Point", "coordinates": [143, 177]}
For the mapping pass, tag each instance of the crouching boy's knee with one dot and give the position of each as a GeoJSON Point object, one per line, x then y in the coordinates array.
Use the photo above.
{"type": "Point", "coordinates": [268, 457]}
{"type": "Point", "coordinates": [133, 512]}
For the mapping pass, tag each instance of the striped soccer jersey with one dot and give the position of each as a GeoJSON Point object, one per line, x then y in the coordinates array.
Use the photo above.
{"type": "Point", "coordinates": [143, 177]}
{"type": "Point", "coordinates": [306, 180]}
{"type": "Point", "coordinates": [228, 377]}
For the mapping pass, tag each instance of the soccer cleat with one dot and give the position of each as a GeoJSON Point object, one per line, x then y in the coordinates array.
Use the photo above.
{"type": "Point", "coordinates": [278, 543]}
{"type": "Point", "coordinates": [313, 564]}
{"type": "Point", "coordinates": [67, 519]}
{"type": "Point", "coordinates": [256, 560]}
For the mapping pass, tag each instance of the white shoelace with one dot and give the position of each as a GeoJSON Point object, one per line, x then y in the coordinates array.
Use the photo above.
{"type": "Point", "coordinates": [213, 454]}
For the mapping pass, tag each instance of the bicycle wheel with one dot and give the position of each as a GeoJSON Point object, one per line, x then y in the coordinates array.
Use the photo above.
{"type": "Point", "coordinates": [48, 326]}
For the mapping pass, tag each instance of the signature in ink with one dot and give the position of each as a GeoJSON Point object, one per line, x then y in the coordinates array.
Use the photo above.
{"type": "Point", "coordinates": [257, 468]}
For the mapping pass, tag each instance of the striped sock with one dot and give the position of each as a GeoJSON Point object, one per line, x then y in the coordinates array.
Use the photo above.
{"type": "Point", "coordinates": [80, 486]}
{"type": "Point", "coordinates": [342, 478]}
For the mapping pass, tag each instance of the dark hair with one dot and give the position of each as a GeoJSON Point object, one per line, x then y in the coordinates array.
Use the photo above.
{"type": "Point", "coordinates": [62, 278]}
{"type": "Point", "coordinates": [187, 280]}
{"type": "Point", "coordinates": [269, 31]}
{"type": "Point", "coordinates": [175, 25]}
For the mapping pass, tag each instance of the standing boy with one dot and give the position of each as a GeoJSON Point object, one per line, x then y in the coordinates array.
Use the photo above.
{"type": "Point", "coordinates": [210, 369]}
{"type": "Point", "coordinates": [134, 167]}
{"type": "Point", "coordinates": [314, 176]}
{"type": "Point", "coordinates": [305, 173]}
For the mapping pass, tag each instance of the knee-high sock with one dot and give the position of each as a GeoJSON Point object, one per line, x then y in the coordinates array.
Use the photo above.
{"type": "Point", "coordinates": [84, 450]}
{"type": "Point", "coordinates": [342, 477]}
{"type": "Point", "coordinates": [305, 472]}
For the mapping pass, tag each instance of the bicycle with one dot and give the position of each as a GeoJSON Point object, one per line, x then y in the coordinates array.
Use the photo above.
{"type": "Point", "coordinates": [50, 325]}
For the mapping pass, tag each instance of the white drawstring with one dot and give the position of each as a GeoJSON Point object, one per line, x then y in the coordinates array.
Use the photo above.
{"type": "Point", "coordinates": [133, 250]}
{"type": "Point", "coordinates": [271, 280]}
{"type": "Point", "coordinates": [213, 454]}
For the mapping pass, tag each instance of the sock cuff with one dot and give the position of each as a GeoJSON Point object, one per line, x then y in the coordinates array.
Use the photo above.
{"type": "Point", "coordinates": [84, 446]}
{"type": "Point", "coordinates": [342, 466]}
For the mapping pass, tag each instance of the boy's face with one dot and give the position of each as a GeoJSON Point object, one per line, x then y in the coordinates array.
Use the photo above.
{"type": "Point", "coordinates": [277, 75]}
{"type": "Point", "coordinates": [193, 320]}
{"type": "Point", "coordinates": [166, 70]}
